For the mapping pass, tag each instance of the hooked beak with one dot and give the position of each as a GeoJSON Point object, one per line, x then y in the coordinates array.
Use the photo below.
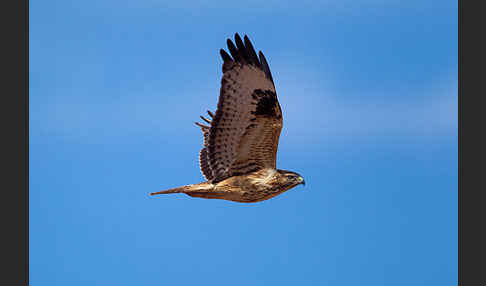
{"type": "Point", "coordinates": [301, 181]}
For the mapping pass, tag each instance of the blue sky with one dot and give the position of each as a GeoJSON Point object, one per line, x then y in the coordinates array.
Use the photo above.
{"type": "Point", "coordinates": [369, 96]}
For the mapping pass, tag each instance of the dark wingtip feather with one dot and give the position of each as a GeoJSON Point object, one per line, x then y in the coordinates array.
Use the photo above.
{"type": "Point", "coordinates": [265, 66]}
{"type": "Point", "coordinates": [251, 52]}
{"type": "Point", "coordinates": [225, 56]}
{"type": "Point", "coordinates": [237, 36]}
{"type": "Point", "coordinates": [241, 48]}
{"type": "Point", "coordinates": [244, 52]}
{"type": "Point", "coordinates": [233, 50]}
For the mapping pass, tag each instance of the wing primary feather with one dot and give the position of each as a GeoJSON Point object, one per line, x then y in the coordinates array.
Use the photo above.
{"type": "Point", "coordinates": [205, 119]}
{"type": "Point", "coordinates": [210, 114]}
{"type": "Point", "coordinates": [201, 125]}
{"type": "Point", "coordinates": [241, 48]}
{"type": "Point", "coordinates": [233, 50]}
{"type": "Point", "coordinates": [251, 52]}
{"type": "Point", "coordinates": [225, 56]}
{"type": "Point", "coordinates": [265, 66]}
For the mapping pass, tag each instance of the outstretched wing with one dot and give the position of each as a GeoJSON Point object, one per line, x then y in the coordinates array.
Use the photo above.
{"type": "Point", "coordinates": [244, 132]}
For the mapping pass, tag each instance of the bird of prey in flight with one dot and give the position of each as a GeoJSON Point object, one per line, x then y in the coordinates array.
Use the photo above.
{"type": "Point", "coordinates": [238, 158]}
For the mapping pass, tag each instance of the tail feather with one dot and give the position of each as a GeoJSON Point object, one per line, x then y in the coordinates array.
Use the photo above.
{"type": "Point", "coordinates": [201, 187]}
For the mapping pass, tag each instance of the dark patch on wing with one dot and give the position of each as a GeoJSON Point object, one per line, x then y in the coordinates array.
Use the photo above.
{"type": "Point", "coordinates": [267, 104]}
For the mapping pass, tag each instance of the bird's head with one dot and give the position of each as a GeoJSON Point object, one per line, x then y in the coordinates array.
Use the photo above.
{"type": "Point", "coordinates": [290, 179]}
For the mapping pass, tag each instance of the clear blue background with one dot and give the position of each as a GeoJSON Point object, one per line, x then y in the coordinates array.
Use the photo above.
{"type": "Point", "coordinates": [369, 95]}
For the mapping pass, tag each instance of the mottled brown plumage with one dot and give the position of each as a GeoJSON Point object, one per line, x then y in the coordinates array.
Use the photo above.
{"type": "Point", "coordinates": [239, 152]}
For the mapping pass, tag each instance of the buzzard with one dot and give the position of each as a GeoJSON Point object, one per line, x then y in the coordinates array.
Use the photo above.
{"type": "Point", "coordinates": [238, 158]}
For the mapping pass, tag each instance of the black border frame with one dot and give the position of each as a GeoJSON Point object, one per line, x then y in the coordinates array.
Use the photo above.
{"type": "Point", "coordinates": [15, 208]}
{"type": "Point", "coordinates": [471, 144]}
{"type": "Point", "coordinates": [14, 211]}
